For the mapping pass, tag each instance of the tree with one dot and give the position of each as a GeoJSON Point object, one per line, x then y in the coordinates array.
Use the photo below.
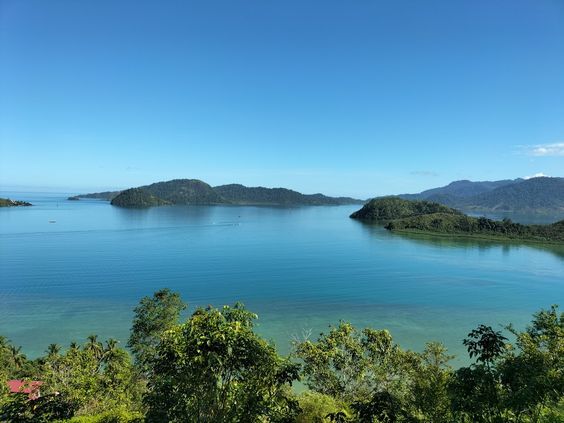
{"type": "Point", "coordinates": [214, 368]}
{"type": "Point", "coordinates": [430, 383]}
{"type": "Point", "coordinates": [351, 366]}
{"type": "Point", "coordinates": [533, 375]}
{"type": "Point", "coordinates": [476, 391]}
{"type": "Point", "coordinates": [53, 350]}
{"type": "Point", "coordinates": [93, 378]}
{"type": "Point", "coordinates": [153, 316]}
{"type": "Point", "coordinates": [485, 344]}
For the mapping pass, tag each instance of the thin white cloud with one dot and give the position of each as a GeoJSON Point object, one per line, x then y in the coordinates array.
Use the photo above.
{"type": "Point", "coordinates": [536, 175]}
{"type": "Point", "coordinates": [546, 150]}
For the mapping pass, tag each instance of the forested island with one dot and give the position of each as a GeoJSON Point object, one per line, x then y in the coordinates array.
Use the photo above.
{"type": "Point", "coordinates": [214, 367]}
{"type": "Point", "coordinates": [196, 192]}
{"type": "Point", "coordinates": [400, 215]}
{"type": "Point", "coordinates": [6, 202]}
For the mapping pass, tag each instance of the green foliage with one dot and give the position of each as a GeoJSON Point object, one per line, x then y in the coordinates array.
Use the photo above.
{"type": "Point", "coordinates": [152, 318]}
{"type": "Point", "coordinates": [476, 390]}
{"type": "Point", "coordinates": [214, 368]}
{"type": "Point", "coordinates": [429, 385]}
{"type": "Point", "coordinates": [377, 378]}
{"type": "Point", "coordinates": [95, 377]}
{"type": "Point", "coordinates": [114, 416]}
{"type": "Point", "coordinates": [20, 409]}
{"type": "Point", "coordinates": [319, 408]}
{"type": "Point", "coordinates": [534, 376]}
{"type": "Point", "coordinates": [351, 366]}
{"type": "Point", "coordinates": [13, 362]}
{"type": "Point", "coordinates": [391, 208]}
{"type": "Point", "coordinates": [485, 344]}
{"type": "Point", "coordinates": [521, 384]}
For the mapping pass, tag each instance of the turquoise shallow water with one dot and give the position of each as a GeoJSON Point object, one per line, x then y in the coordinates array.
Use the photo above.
{"type": "Point", "coordinates": [300, 269]}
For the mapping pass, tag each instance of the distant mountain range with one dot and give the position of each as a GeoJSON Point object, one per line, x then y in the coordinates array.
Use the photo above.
{"type": "Point", "coordinates": [196, 192]}
{"type": "Point", "coordinates": [541, 194]}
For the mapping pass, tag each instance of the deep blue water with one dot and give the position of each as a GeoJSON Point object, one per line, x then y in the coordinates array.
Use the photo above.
{"type": "Point", "coordinates": [300, 269]}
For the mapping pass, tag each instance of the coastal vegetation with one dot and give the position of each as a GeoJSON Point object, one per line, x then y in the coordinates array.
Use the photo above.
{"type": "Point", "coordinates": [214, 367]}
{"type": "Point", "coordinates": [194, 191]}
{"type": "Point", "coordinates": [399, 215]}
{"type": "Point", "coordinates": [481, 227]}
{"type": "Point", "coordinates": [6, 202]}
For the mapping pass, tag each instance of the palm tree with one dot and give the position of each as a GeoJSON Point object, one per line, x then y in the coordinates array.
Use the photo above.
{"type": "Point", "coordinates": [111, 349]}
{"type": "Point", "coordinates": [53, 350]}
{"type": "Point", "coordinates": [18, 358]}
{"type": "Point", "coordinates": [94, 346]}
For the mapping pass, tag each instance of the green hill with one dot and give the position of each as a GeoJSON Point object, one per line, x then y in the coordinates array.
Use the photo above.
{"type": "Point", "coordinates": [385, 209]}
{"type": "Point", "coordinates": [137, 198]}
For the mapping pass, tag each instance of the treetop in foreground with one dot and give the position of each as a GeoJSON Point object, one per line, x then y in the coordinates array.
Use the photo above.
{"type": "Point", "coordinates": [214, 367]}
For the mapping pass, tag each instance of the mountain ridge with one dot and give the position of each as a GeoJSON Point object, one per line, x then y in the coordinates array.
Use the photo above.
{"type": "Point", "coordinates": [540, 194]}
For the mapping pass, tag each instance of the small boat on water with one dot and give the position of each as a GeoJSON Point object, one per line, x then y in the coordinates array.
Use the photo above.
{"type": "Point", "coordinates": [52, 221]}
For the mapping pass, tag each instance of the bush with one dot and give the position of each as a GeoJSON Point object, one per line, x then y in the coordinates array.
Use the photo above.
{"type": "Point", "coordinates": [316, 407]}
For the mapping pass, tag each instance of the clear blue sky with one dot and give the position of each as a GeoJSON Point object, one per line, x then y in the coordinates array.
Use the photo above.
{"type": "Point", "coordinates": [342, 97]}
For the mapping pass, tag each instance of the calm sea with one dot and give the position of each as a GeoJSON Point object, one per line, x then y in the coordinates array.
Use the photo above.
{"type": "Point", "coordinates": [72, 268]}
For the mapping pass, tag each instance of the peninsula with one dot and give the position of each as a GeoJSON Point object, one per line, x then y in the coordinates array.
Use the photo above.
{"type": "Point", "coordinates": [6, 202]}
{"type": "Point", "coordinates": [399, 215]}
